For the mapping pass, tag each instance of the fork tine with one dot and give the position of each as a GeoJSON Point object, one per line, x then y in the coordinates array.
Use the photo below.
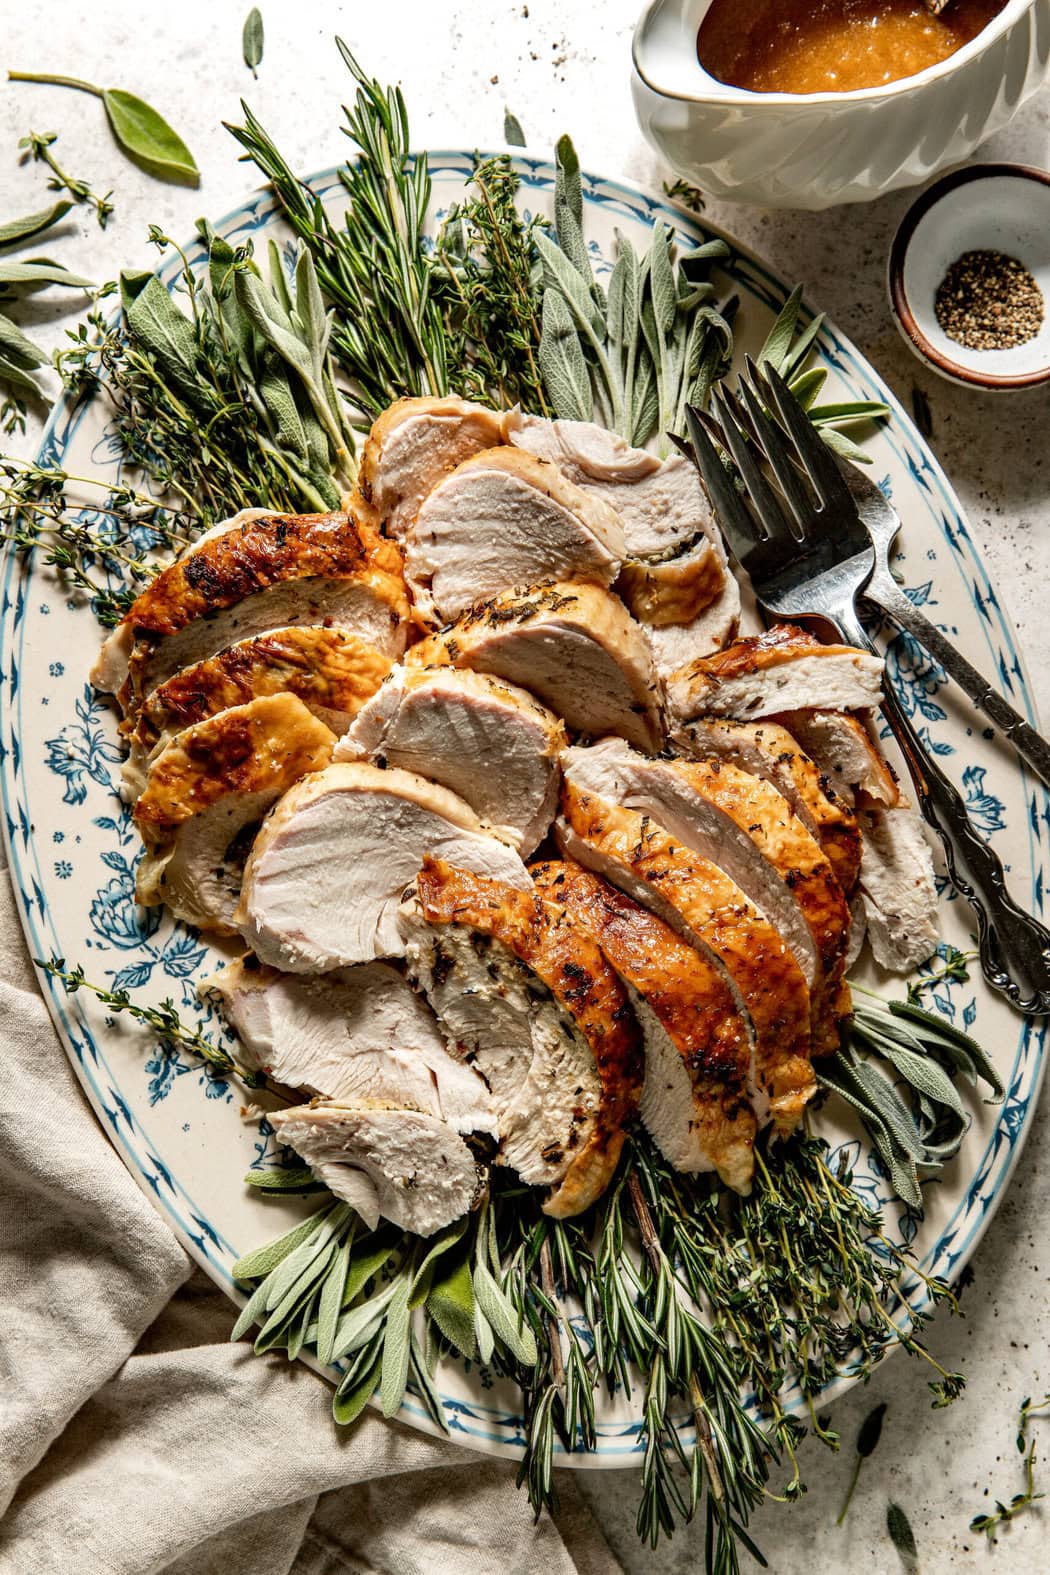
{"type": "Point", "coordinates": [817, 462]}
{"type": "Point", "coordinates": [763, 498]}
{"type": "Point", "coordinates": [737, 526]}
{"type": "Point", "coordinates": [771, 441]}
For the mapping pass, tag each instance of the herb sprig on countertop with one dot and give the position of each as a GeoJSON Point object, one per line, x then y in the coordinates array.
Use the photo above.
{"type": "Point", "coordinates": [38, 146]}
{"type": "Point", "coordinates": [989, 1522]}
{"type": "Point", "coordinates": [140, 132]}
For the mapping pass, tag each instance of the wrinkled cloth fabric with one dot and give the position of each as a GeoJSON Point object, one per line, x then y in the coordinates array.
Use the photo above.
{"type": "Point", "coordinates": [135, 1438]}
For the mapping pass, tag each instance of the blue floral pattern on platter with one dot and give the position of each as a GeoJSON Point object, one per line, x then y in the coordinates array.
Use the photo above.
{"type": "Point", "coordinates": [72, 847]}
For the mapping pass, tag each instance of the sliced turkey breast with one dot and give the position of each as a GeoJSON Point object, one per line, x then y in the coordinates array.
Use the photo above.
{"type": "Point", "coordinates": [326, 875]}
{"type": "Point", "coordinates": [330, 670]}
{"type": "Point", "coordinates": [265, 573]}
{"type": "Point", "coordinates": [742, 824]}
{"type": "Point", "coordinates": [676, 645]}
{"type": "Point", "coordinates": [209, 787]}
{"type": "Point", "coordinates": [697, 1053]}
{"type": "Point", "coordinates": [843, 747]}
{"type": "Point", "coordinates": [501, 519]}
{"type": "Point", "coordinates": [486, 740]}
{"type": "Point", "coordinates": [768, 750]}
{"type": "Point", "coordinates": [698, 900]}
{"type": "Point", "coordinates": [401, 1165]}
{"type": "Point", "coordinates": [356, 1036]}
{"type": "Point", "coordinates": [530, 1001]}
{"type": "Point", "coordinates": [412, 446]}
{"type": "Point", "coordinates": [781, 670]}
{"type": "Point", "coordinates": [897, 886]}
{"type": "Point", "coordinates": [574, 646]}
{"type": "Point", "coordinates": [675, 566]}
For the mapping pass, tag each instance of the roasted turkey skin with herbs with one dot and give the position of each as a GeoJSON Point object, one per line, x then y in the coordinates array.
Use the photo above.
{"type": "Point", "coordinates": [247, 577]}
{"type": "Point", "coordinates": [768, 750]}
{"type": "Point", "coordinates": [695, 1101]}
{"type": "Point", "coordinates": [330, 670]}
{"type": "Point", "coordinates": [574, 646]}
{"type": "Point", "coordinates": [207, 790]}
{"type": "Point", "coordinates": [489, 741]}
{"type": "Point", "coordinates": [358, 1035]}
{"type": "Point", "coordinates": [710, 911]}
{"type": "Point", "coordinates": [400, 1165]}
{"type": "Point", "coordinates": [742, 824]}
{"type": "Point", "coordinates": [412, 446]}
{"type": "Point", "coordinates": [503, 518]}
{"type": "Point", "coordinates": [784, 669]}
{"type": "Point", "coordinates": [529, 1000]}
{"type": "Point", "coordinates": [327, 872]}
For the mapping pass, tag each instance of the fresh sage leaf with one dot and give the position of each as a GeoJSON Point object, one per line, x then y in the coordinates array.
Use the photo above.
{"type": "Point", "coordinates": [807, 385]}
{"type": "Point", "coordinates": [289, 1180]}
{"type": "Point", "coordinates": [331, 1302]}
{"type": "Point", "coordinates": [450, 1303]}
{"type": "Point", "coordinates": [871, 1431]}
{"type": "Point", "coordinates": [40, 272]}
{"type": "Point", "coordinates": [562, 363]}
{"type": "Point", "coordinates": [560, 273]}
{"type": "Point", "coordinates": [844, 446]}
{"type": "Point", "coordinates": [443, 1243]}
{"type": "Point", "coordinates": [425, 1384]}
{"type": "Point", "coordinates": [901, 1534]}
{"type": "Point", "coordinates": [264, 1259]}
{"type": "Point", "coordinates": [159, 328]}
{"type": "Point", "coordinates": [358, 1385]}
{"type": "Point", "coordinates": [850, 410]}
{"type": "Point", "coordinates": [396, 1346]}
{"type": "Point", "coordinates": [777, 347]}
{"type": "Point", "coordinates": [512, 132]}
{"type": "Point", "coordinates": [500, 1315]}
{"type": "Point", "coordinates": [17, 230]}
{"type": "Point", "coordinates": [357, 1326]}
{"type": "Point", "coordinates": [486, 1338]}
{"type": "Point", "coordinates": [366, 1264]}
{"type": "Point", "coordinates": [147, 138]}
{"type": "Point", "coordinates": [252, 39]}
{"type": "Point", "coordinates": [568, 211]}
{"type": "Point", "coordinates": [253, 1309]}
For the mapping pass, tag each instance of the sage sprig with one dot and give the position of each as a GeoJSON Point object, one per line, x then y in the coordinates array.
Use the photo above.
{"type": "Point", "coordinates": [913, 1112]}
{"type": "Point", "coordinates": [142, 134]}
{"type": "Point", "coordinates": [252, 40]}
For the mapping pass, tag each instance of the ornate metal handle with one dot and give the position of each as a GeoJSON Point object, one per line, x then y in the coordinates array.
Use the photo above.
{"type": "Point", "coordinates": [1032, 748]}
{"type": "Point", "coordinates": [1014, 948]}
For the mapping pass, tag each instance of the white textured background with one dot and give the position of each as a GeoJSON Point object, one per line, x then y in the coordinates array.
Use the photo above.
{"type": "Point", "coordinates": [562, 65]}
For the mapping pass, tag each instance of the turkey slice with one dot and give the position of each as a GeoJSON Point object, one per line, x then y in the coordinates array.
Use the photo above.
{"type": "Point", "coordinates": [710, 911]}
{"type": "Point", "coordinates": [768, 750]}
{"type": "Point", "coordinates": [330, 670]}
{"type": "Point", "coordinates": [743, 825]}
{"type": "Point", "coordinates": [529, 1000]}
{"type": "Point", "coordinates": [486, 740]}
{"type": "Point", "coordinates": [326, 875]}
{"type": "Point", "coordinates": [358, 1035]}
{"type": "Point", "coordinates": [206, 790]}
{"type": "Point", "coordinates": [503, 518]}
{"type": "Point", "coordinates": [843, 747]}
{"type": "Point", "coordinates": [781, 670]}
{"type": "Point", "coordinates": [255, 575]}
{"type": "Point", "coordinates": [697, 1054]}
{"type": "Point", "coordinates": [574, 646]}
{"type": "Point", "coordinates": [412, 446]}
{"type": "Point", "coordinates": [401, 1165]}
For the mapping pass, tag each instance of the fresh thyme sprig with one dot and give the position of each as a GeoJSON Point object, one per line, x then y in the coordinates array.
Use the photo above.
{"type": "Point", "coordinates": [988, 1523]}
{"type": "Point", "coordinates": [485, 284]}
{"type": "Point", "coordinates": [38, 146]}
{"type": "Point", "coordinates": [163, 1020]}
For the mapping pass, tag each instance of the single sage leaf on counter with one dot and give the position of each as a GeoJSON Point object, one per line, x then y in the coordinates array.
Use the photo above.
{"type": "Point", "coordinates": [901, 1534]}
{"type": "Point", "coordinates": [33, 224]}
{"type": "Point", "coordinates": [38, 272]}
{"type": "Point", "coordinates": [512, 132]}
{"type": "Point", "coordinates": [252, 39]}
{"type": "Point", "coordinates": [144, 136]}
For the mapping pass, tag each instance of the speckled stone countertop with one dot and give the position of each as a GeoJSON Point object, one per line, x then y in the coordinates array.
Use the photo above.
{"type": "Point", "coordinates": [563, 65]}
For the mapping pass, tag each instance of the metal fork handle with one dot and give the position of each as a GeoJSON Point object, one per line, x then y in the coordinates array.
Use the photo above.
{"type": "Point", "coordinates": [1014, 948]}
{"type": "Point", "coordinates": [1033, 749]}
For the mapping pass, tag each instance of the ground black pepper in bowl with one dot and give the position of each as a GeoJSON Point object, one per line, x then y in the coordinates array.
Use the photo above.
{"type": "Point", "coordinates": [988, 301]}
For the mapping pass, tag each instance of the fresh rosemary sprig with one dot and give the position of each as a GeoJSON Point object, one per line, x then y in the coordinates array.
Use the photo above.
{"type": "Point", "coordinates": [38, 146]}
{"type": "Point", "coordinates": [989, 1523]}
{"type": "Point", "coordinates": [485, 285]}
{"type": "Point", "coordinates": [388, 333]}
{"type": "Point", "coordinates": [922, 1127]}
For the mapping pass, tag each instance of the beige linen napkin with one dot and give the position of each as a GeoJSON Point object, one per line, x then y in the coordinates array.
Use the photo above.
{"type": "Point", "coordinates": [134, 1438]}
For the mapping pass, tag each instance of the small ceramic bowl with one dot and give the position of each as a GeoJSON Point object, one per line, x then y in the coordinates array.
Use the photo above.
{"type": "Point", "coordinates": [986, 207]}
{"type": "Point", "coordinates": [784, 150]}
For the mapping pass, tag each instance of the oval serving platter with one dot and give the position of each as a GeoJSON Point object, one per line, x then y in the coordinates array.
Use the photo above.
{"type": "Point", "coordinates": [72, 846]}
